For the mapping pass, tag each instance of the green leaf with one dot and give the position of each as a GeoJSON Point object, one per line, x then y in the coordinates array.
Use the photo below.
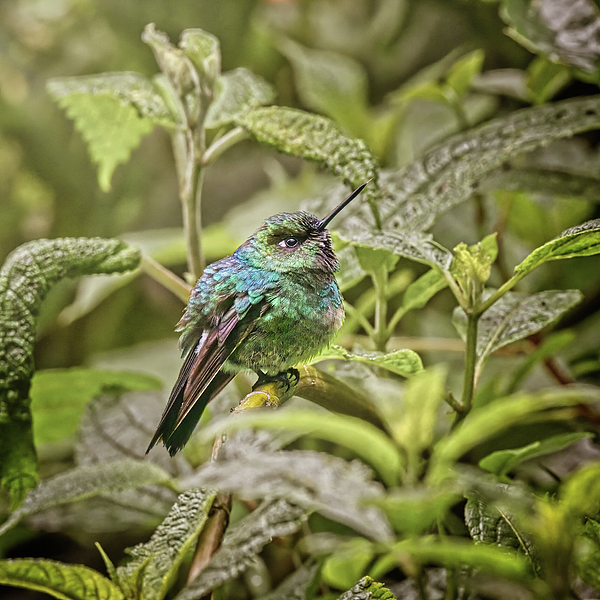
{"type": "Point", "coordinates": [419, 292]}
{"type": "Point", "coordinates": [348, 562]}
{"type": "Point", "coordinates": [26, 277]}
{"type": "Point", "coordinates": [159, 559]}
{"type": "Point", "coordinates": [414, 511]}
{"type": "Point", "coordinates": [128, 88]}
{"type": "Point", "coordinates": [545, 79]}
{"type": "Point", "coordinates": [582, 240]}
{"type": "Point", "coordinates": [415, 196]}
{"type": "Point", "coordinates": [319, 139]}
{"type": "Point", "coordinates": [587, 558]}
{"type": "Point", "coordinates": [373, 260]}
{"type": "Point", "coordinates": [401, 362]}
{"type": "Point", "coordinates": [366, 440]}
{"type": "Point", "coordinates": [458, 552]}
{"type": "Point", "coordinates": [463, 70]}
{"type": "Point", "coordinates": [87, 481]}
{"type": "Point", "coordinates": [516, 316]}
{"type": "Point", "coordinates": [238, 91]}
{"type": "Point", "coordinates": [565, 35]}
{"type": "Point", "coordinates": [66, 582]}
{"type": "Point", "coordinates": [331, 84]}
{"type": "Point", "coordinates": [111, 130]}
{"type": "Point", "coordinates": [203, 49]}
{"type": "Point", "coordinates": [500, 415]}
{"type": "Point", "coordinates": [58, 397]}
{"type": "Point", "coordinates": [313, 480]}
{"type": "Point", "coordinates": [412, 422]}
{"type": "Point", "coordinates": [243, 542]}
{"type": "Point", "coordinates": [502, 462]}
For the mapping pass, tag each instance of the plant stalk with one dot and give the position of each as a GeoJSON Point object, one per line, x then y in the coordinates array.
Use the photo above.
{"type": "Point", "coordinates": [381, 336]}
{"type": "Point", "coordinates": [166, 278]}
{"type": "Point", "coordinates": [470, 364]}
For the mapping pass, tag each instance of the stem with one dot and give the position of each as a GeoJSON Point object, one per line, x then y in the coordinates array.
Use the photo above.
{"type": "Point", "coordinates": [222, 144]}
{"type": "Point", "coordinates": [380, 337]}
{"type": "Point", "coordinates": [166, 278]}
{"type": "Point", "coordinates": [499, 293]}
{"type": "Point", "coordinates": [470, 363]}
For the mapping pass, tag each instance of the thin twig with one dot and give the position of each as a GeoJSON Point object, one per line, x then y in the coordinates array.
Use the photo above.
{"type": "Point", "coordinates": [166, 278]}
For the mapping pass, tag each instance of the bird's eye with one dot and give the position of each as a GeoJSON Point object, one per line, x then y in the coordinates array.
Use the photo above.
{"type": "Point", "coordinates": [290, 242]}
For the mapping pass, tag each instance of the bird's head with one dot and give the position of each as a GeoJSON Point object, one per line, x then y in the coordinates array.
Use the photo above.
{"type": "Point", "coordinates": [294, 242]}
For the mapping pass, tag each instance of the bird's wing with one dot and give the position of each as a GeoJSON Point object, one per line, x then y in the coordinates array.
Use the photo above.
{"type": "Point", "coordinates": [202, 364]}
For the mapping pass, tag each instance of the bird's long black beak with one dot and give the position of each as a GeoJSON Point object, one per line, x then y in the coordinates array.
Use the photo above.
{"type": "Point", "coordinates": [341, 206]}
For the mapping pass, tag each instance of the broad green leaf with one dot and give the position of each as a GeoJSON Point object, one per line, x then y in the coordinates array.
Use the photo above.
{"type": "Point", "coordinates": [463, 70]}
{"type": "Point", "coordinates": [159, 559]}
{"type": "Point", "coordinates": [350, 272]}
{"type": "Point", "coordinates": [419, 292]}
{"type": "Point", "coordinates": [111, 130]}
{"type": "Point", "coordinates": [412, 421]}
{"type": "Point", "coordinates": [66, 582]}
{"type": "Point", "coordinates": [545, 79]}
{"type": "Point", "coordinates": [372, 260]}
{"type": "Point", "coordinates": [58, 397]}
{"type": "Point", "coordinates": [500, 415]}
{"type": "Point", "coordinates": [413, 511]}
{"type": "Point", "coordinates": [331, 84]}
{"type": "Point", "coordinates": [319, 139]}
{"type": "Point", "coordinates": [128, 88]}
{"type": "Point", "coordinates": [516, 316]}
{"type": "Point", "coordinates": [26, 277]}
{"type": "Point", "coordinates": [367, 588]}
{"type": "Point", "coordinates": [237, 92]}
{"type": "Point", "coordinates": [366, 440]}
{"type": "Point", "coordinates": [401, 362]}
{"type": "Point", "coordinates": [349, 561]}
{"type": "Point", "coordinates": [242, 543]}
{"type": "Point", "coordinates": [312, 480]}
{"type": "Point", "coordinates": [502, 462]}
{"type": "Point", "coordinates": [87, 481]}
{"type": "Point", "coordinates": [458, 552]}
{"type": "Point", "coordinates": [583, 240]}
{"type": "Point", "coordinates": [562, 31]}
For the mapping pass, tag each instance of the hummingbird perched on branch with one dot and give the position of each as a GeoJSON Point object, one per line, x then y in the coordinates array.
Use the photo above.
{"type": "Point", "coordinates": [271, 305]}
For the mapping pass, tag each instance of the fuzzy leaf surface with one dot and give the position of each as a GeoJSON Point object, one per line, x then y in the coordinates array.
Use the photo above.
{"type": "Point", "coordinates": [563, 30]}
{"type": "Point", "coordinates": [312, 480]}
{"type": "Point", "coordinates": [238, 91]}
{"type": "Point", "coordinates": [243, 542]}
{"type": "Point", "coordinates": [516, 316]}
{"type": "Point", "coordinates": [160, 558]}
{"type": "Point", "coordinates": [86, 481]}
{"type": "Point", "coordinates": [66, 582]}
{"type": "Point", "coordinates": [26, 277]}
{"type": "Point", "coordinates": [110, 129]}
{"type": "Point", "coordinates": [367, 589]}
{"type": "Point", "coordinates": [318, 139]}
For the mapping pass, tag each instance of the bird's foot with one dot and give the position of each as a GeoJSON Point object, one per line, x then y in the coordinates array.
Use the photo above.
{"type": "Point", "coordinates": [279, 387]}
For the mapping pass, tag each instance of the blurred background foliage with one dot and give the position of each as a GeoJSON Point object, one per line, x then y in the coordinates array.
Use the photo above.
{"type": "Point", "coordinates": [403, 64]}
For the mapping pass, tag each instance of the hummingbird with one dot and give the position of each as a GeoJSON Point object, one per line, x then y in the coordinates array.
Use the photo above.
{"type": "Point", "coordinates": [274, 303]}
